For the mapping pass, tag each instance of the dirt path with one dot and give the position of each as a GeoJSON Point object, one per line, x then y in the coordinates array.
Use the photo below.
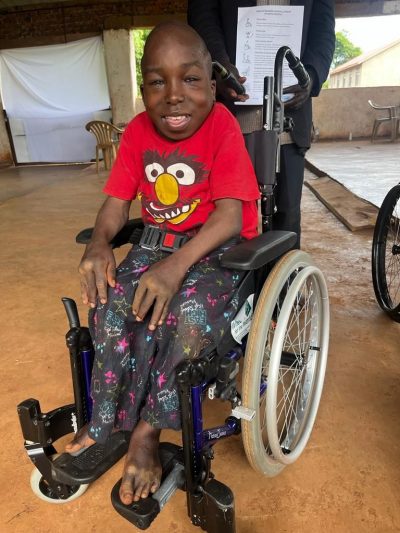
{"type": "Point", "coordinates": [347, 479]}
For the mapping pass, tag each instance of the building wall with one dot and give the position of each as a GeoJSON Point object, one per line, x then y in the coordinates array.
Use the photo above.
{"type": "Point", "coordinates": [349, 78]}
{"type": "Point", "coordinates": [66, 21]}
{"type": "Point", "coordinates": [340, 112]}
{"type": "Point", "coordinates": [382, 69]}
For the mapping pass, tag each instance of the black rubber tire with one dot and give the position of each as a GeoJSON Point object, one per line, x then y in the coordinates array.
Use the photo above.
{"type": "Point", "coordinates": [386, 255]}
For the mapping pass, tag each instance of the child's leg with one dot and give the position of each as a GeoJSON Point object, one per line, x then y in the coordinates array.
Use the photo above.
{"type": "Point", "coordinates": [199, 316]}
{"type": "Point", "coordinates": [142, 470]}
{"type": "Point", "coordinates": [119, 377]}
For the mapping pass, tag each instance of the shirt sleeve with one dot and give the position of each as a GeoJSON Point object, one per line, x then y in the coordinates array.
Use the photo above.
{"type": "Point", "coordinates": [232, 174]}
{"type": "Point", "coordinates": [124, 178]}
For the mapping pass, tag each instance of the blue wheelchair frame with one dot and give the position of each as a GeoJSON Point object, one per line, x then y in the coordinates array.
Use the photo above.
{"type": "Point", "coordinates": [210, 503]}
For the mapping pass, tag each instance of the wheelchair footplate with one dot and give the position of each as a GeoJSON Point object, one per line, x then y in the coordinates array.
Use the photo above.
{"type": "Point", "coordinates": [91, 463]}
{"type": "Point", "coordinates": [143, 512]}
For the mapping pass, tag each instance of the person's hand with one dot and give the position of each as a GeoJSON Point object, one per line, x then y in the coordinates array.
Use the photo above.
{"type": "Point", "coordinates": [157, 287]}
{"type": "Point", "coordinates": [97, 271]}
{"type": "Point", "coordinates": [301, 94]}
{"type": "Point", "coordinates": [226, 92]}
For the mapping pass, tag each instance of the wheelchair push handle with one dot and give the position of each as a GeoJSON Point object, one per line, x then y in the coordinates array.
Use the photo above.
{"type": "Point", "coordinates": [295, 65]}
{"type": "Point", "coordinates": [298, 69]}
{"type": "Point", "coordinates": [72, 312]}
{"type": "Point", "coordinates": [229, 78]}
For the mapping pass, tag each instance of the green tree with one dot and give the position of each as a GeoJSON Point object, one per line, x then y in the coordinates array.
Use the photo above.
{"type": "Point", "coordinates": [139, 38]}
{"type": "Point", "coordinates": [344, 49]}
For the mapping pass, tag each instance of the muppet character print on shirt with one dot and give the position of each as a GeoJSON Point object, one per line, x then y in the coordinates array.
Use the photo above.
{"type": "Point", "coordinates": [174, 189]}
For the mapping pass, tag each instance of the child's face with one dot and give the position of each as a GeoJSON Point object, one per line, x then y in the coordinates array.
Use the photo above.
{"type": "Point", "coordinates": [177, 90]}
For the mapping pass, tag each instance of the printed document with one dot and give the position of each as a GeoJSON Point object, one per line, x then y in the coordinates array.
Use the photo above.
{"type": "Point", "coordinates": [261, 31]}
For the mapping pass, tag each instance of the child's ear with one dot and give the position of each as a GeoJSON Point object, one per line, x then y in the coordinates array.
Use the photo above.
{"type": "Point", "coordinates": [214, 87]}
{"type": "Point", "coordinates": [141, 89]}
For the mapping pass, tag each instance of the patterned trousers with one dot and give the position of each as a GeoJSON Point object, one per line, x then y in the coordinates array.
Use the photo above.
{"type": "Point", "coordinates": [134, 368]}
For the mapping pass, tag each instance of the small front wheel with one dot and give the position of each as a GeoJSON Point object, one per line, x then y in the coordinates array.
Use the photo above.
{"type": "Point", "coordinates": [43, 491]}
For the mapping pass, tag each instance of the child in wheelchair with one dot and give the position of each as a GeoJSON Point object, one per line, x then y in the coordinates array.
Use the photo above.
{"type": "Point", "coordinates": [184, 158]}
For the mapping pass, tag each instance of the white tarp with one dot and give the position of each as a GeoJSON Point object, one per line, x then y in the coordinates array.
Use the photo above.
{"type": "Point", "coordinates": [54, 90]}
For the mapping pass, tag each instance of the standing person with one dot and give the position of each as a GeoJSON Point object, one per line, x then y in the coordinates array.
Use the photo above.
{"type": "Point", "coordinates": [216, 22]}
{"type": "Point", "coordinates": [184, 158]}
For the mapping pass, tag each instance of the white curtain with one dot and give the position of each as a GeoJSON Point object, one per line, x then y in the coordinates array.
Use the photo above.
{"type": "Point", "coordinates": [53, 91]}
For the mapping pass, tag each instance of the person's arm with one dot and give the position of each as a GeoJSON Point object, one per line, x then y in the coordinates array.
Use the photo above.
{"type": "Point", "coordinates": [318, 53]}
{"type": "Point", "coordinates": [163, 279]}
{"type": "Point", "coordinates": [97, 266]}
{"type": "Point", "coordinates": [320, 46]}
{"type": "Point", "coordinates": [205, 17]}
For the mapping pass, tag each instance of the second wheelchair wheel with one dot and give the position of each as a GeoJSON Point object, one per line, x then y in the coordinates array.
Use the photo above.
{"type": "Point", "coordinates": [386, 255]}
{"type": "Point", "coordinates": [285, 362]}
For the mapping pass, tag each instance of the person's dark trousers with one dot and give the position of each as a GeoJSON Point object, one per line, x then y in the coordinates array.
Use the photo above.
{"type": "Point", "coordinates": [288, 190]}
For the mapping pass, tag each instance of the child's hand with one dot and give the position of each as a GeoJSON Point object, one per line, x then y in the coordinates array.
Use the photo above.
{"type": "Point", "coordinates": [157, 286]}
{"type": "Point", "coordinates": [97, 271]}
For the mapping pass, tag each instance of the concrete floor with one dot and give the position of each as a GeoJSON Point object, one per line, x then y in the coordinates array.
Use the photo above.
{"type": "Point", "coordinates": [368, 170]}
{"type": "Point", "coordinates": [347, 480]}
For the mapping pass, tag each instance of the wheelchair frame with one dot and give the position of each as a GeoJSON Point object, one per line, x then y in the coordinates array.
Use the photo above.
{"type": "Point", "coordinates": [210, 503]}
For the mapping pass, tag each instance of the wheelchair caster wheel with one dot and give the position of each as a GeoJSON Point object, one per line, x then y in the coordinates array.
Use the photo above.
{"type": "Point", "coordinates": [43, 491]}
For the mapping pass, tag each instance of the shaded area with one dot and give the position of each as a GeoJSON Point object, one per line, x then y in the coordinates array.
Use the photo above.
{"type": "Point", "coordinates": [21, 180]}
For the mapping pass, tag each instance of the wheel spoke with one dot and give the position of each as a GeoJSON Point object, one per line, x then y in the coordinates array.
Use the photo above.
{"type": "Point", "coordinates": [291, 364]}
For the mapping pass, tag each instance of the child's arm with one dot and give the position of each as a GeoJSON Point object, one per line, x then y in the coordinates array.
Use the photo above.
{"type": "Point", "coordinates": [97, 266]}
{"type": "Point", "coordinates": [159, 284]}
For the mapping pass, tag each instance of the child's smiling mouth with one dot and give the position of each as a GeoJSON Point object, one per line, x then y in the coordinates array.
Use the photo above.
{"type": "Point", "coordinates": [176, 121]}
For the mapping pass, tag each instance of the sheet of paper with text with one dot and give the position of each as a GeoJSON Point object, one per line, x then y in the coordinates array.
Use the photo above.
{"type": "Point", "coordinates": [261, 32]}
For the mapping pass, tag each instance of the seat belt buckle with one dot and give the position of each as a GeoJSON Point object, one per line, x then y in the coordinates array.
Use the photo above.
{"type": "Point", "coordinates": [151, 237]}
{"type": "Point", "coordinates": [172, 241]}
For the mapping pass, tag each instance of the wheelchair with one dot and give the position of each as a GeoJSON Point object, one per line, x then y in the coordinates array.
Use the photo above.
{"type": "Point", "coordinates": [386, 254]}
{"type": "Point", "coordinates": [280, 336]}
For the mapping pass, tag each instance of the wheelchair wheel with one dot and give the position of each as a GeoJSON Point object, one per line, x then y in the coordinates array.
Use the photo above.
{"type": "Point", "coordinates": [285, 362]}
{"type": "Point", "coordinates": [386, 255]}
{"type": "Point", "coordinates": [42, 490]}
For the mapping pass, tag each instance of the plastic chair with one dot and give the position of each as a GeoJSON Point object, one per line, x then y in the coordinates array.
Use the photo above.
{"type": "Point", "coordinates": [107, 137]}
{"type": "Point", "coordinates": [393, 116]}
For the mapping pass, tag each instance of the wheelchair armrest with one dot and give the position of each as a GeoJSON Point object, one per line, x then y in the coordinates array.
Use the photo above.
{"type": "Point", "coordinates": [130, 233]}
{"type": "Point", "coordinates": [257, 252]}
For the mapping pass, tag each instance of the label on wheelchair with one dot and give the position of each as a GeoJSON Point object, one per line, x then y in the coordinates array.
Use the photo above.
{"type": "Point", "coordinates": [240, 325]}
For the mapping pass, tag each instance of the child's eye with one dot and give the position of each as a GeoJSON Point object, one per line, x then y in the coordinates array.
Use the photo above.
{"type": "Point", "coordinates": [191, 79]}
{"type": "Point", "coordinates": [156, 83]}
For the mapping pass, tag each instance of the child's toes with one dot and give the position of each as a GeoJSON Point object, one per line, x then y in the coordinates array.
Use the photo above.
{"type": "Point", "coordinates": [155, 486]}
{"type": "Point", "coordinates": [126, 494]}
{"type": "Point", "coordinates": [138, 492]}
{"type": "Point", "coordinates": [145, 491]}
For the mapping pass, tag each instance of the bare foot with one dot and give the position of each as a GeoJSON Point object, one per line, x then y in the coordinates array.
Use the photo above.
{"type": "Point", "coordinates": [80, 441]}
{"type": "Point", "coordinates": [142, 469]}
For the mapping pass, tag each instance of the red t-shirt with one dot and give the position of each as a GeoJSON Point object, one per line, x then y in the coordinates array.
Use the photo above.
{"type": "Point", "coordinates": [177, 182]}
